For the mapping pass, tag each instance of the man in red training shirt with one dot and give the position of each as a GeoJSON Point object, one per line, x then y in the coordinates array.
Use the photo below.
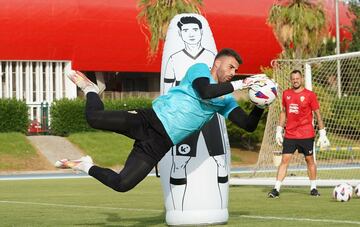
{"type": "Point", "coordinates": [298, 105]}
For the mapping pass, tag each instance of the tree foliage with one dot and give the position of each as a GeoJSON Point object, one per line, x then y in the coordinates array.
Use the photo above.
{"type": "Point", "coordinates": [299, 26]}
{"type": "Point", "coordinates": [155, 16]}
{"type": "Point", "coordinates": [354, 8]}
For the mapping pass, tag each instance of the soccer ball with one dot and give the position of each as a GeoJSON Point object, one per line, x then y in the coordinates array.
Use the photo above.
{"type": "Point", "coordinates": [343, 192]}
{"type": "Point", "coordinates": [357, 190]}
{"type": "Point", "coordinates": [263, 92]}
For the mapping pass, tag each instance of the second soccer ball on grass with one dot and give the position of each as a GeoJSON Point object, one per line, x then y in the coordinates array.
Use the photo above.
{"type": "Point", "coordinates": [343, 192]}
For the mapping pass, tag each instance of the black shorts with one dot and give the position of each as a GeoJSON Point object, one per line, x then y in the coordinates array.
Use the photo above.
{"type": "Point", "coordinates": [151, 140]}
{"type": "Point", "coordinates": [304, 146]}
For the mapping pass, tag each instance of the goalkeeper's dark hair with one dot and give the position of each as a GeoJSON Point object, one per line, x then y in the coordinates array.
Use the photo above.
{"type": "Point", "coordinates": [229, 53]}
{"type": "Point", "coordinates": [296, 71]}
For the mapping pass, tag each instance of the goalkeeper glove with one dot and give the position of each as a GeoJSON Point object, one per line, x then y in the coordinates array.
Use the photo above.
{"type": "Point", "coordinates": [323, 141]}
{"type": "Point", "coordinates": [279, 135]}
{"type": "Point", "coordinates": [248, 82]}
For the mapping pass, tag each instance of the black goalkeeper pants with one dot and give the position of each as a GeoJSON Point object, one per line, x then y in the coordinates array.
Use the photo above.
{"type": "Point", "coordinates": [151, 142]}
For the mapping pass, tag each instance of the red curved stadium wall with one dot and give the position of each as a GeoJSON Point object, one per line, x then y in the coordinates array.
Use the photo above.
{"type": "Point", "coordinates": [100, 35]}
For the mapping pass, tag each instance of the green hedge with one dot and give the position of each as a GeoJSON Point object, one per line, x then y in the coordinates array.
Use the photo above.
{"type": "Point", "coordinates": [68, 116]}
{"type": "Point", "coordinates": [345, 113]}
{"type": "Point", "coordinates": [13, 116]}
{"type": "Point", "coordinates": [128, 104]}
{"type": "Point", "coordinates": [239, 137]}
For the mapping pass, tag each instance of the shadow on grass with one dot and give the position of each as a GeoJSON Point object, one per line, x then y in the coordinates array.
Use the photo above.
{"type": "Point", "coordinates": [238, 213]}
{"type": "Point", "coordinates": [114, 219]}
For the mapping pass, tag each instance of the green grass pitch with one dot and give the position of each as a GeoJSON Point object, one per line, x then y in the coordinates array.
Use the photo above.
{"type": "Point", "coordinates": [86, 202]}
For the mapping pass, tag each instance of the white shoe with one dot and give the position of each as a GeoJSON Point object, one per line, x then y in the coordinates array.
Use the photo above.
{"type": "Point", "coordinates": [82, 164]}
{"type": "Point", "coordinates": [100, 82]}
{"type": "Point", "coordinates": [82, 81]}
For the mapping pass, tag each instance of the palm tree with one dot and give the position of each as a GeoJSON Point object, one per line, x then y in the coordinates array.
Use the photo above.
{"type": "Point", "coordinates": [354, 43]}
{"type": "Point", "coordinates": [155, 16]}
{"type": "Point", "coordinates": [299, 26]}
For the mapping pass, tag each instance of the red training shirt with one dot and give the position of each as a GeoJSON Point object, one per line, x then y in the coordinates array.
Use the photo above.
{"type": "Point", "coordinates": [299, 113]}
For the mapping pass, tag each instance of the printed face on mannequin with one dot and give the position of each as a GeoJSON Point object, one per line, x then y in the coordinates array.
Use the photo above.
{"type": "Point", "coordinates": [191, 33]}
{"type": "Point", "coordinates": [296, 80]}
{"type": "Point", "coordinates": [225, 68]}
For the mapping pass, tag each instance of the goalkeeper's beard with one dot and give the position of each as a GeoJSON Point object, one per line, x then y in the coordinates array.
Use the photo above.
{"type": "Point", "coordinates": [296, 87]}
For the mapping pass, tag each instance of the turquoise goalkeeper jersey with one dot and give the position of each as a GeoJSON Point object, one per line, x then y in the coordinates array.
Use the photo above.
{"type": "Point", "coordinates": [182, 111]}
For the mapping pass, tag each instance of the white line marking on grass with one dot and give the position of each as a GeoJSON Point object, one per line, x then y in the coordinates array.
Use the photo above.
{"type": "Point", "coordinates": [47, 176]}
{"type": "Point", "coordinates": [78, 206]}
{"type": "Point", "coordinates": [40, 177]}
{"type": "Point", "coordinates": [300, 219]}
